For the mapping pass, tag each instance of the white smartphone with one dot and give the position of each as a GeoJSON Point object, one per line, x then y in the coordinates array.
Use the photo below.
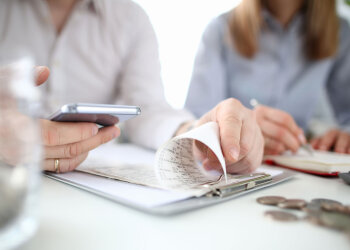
{"type": "Point", "coordinates": [102, 114]}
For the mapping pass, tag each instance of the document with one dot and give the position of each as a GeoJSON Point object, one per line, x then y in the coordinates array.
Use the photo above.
{"type": "Point", "coordinates": [173, 168]}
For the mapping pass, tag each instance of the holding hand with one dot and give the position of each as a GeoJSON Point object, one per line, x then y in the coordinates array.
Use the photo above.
{"type": "Point", "coordinates": [66, 144]}
{"type": "Point", "coordinates": [280, 131]}
{"type": "Point", "coordinates": [70, 142]}
{"type": "Point", "coordinates": [335, 140]}
{"type": "Point", "coordinates": [240, 138]}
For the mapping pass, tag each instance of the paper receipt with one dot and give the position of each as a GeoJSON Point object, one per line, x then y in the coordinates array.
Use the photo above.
{"type": "Point", "coordinates": [175, 164]}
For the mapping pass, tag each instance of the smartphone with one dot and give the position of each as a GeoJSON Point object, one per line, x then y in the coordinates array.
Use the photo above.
{"type": "Point", "coordinates": [102, 114]}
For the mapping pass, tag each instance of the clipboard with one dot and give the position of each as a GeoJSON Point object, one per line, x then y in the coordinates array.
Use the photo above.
{"type": "Point", "coordinates": [178, 205]}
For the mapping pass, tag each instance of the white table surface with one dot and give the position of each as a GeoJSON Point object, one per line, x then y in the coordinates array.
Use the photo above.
{"type": "Point", "coordinates": [75, 219]}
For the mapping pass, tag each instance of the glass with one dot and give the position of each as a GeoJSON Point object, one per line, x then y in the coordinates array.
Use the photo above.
{"type": "Point", "coordinates": [20, 153]}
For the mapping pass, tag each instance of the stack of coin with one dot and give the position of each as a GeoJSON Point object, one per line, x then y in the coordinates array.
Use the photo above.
{"type": "Point", "coordinates": [322, 212]}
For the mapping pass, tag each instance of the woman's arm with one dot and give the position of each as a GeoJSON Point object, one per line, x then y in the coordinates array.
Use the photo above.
{"type": "Point", "coordinates": [208, 83]}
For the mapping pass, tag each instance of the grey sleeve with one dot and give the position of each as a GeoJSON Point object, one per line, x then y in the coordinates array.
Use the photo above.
{"type": "Point", "coordinates": [338, 85]}
{"type": "Point", "coordinates": [208, 82]}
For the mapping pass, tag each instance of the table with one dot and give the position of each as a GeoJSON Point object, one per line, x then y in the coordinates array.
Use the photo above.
{"type": "Point", "coordinates": [75, 219]}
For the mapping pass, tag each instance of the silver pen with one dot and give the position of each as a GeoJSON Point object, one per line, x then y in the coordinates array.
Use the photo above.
{"type": "Point", "coordinates": [306, 146]}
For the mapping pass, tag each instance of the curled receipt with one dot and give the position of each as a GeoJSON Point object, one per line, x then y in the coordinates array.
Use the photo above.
{"type": "Point", "coordinates": [175, 163]}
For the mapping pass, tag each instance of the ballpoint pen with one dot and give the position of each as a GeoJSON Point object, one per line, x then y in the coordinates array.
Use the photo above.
{"type": "Point", "coordinates": [306, 146]}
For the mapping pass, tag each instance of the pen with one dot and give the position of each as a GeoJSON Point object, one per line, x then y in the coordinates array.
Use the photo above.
{"type": "Point", "coordinates": [306, 146]}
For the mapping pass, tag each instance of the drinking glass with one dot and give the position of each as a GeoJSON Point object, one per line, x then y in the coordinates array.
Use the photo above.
{"type": "Point", "coordinates": [20, 153]}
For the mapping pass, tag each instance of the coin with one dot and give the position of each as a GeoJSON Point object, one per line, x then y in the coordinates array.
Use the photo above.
{"type": "Point", "coordinates": [314, 218]}
{"type": "Point", "coordinates": [347, 209]}
{"type": "Point", "coordinates": [335, 220]}
{"type": "Point", "coordinates": [280, 215]}
{"type": "Point", "coordinates": [312, 208]}
{"type": "Point", "coordinates": [333, 207]}
{"type": "Point", "coordinates": [270, 200]}
{"type": "Point", "coordinates": [292, 204]}
{"type": "Point", "coordinates": [322, 201]}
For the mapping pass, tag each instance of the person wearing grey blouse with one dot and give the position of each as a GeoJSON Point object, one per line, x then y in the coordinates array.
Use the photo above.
{"type": "Point", "coordinates": [281, 53]}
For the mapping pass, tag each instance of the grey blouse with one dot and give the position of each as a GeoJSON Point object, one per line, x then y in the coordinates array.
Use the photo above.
{"type": "Point", "coordinates": [278, 76]}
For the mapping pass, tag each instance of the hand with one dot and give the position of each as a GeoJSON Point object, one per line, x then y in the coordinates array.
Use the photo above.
{"type": "Point", "coordinates": [280, 131]}
{"type": "Point", "coordinates": [240, 137]}
{"type": "Point", "coordinates": [335, 140]}
{"type": "Point", "coordinates": [69, 142]}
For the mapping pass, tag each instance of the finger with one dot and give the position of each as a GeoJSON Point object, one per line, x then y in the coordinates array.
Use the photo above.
{"type": "Point", "coordinates": [74, 149]}
{"type": "Point", "coordinates": [342, 143]}
{"type": "Point", "coordinates": [249, 131]}
{"type": "Point", "coordinates": [41, 74]}
{"type": "Point", "coordinates": [315, 142]}
{"type": "Point", "coordinates": [230, 120]}
{"type": "Point", "coordinates": [248, 134]}
{"type": "Point", "coordinates": [251, 161]}
{"type": "Point", "coordinates": [65, 165]}
{"type": "Point", "coordinates": [270, 152]}
{"type": "Point", "coordinates": [60, 133]}
{"type": "Point", "coordinates": [328, 140]}
{"type": "Point", "coordinates": [273, 146]}
{"type": "Point", "coordinates": [200, 150]}
{"type": "Point", "coordinates": [212, 164]}
{"type": "Point", "coordinates": [279, 133]}
{"type": "Point", "coordinates": [283, 119]}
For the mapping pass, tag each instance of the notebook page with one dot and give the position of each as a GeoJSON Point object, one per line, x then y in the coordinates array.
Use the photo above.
{"type": "Point", "coordinates": [318, 157]}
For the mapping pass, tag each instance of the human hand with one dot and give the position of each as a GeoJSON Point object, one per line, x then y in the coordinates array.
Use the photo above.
{"type": "Point", "coordinates": [240, 138]}
{"type": "Point", "coordinates": [280, 131]}
{"type": "Point", "coordinates": [70, 142]}
{"type": "Point", "coordinates": [335, 139]}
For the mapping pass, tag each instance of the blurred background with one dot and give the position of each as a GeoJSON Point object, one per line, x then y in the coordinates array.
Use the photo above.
{"type": "Point", "coordinates": [179, 26]}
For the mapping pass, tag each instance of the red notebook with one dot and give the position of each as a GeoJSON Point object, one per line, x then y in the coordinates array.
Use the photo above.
{"type": "Point", "coordinates": [319, 163]}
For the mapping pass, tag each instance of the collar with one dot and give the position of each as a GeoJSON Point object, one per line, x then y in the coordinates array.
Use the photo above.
{"type": "Point", "coordinates": [274, 24]}
{"type": "Point", "coordinates": [93, 5]}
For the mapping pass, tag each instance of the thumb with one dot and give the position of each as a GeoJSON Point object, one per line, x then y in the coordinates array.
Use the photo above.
{"type": "Point", "coordinates": [41, 74]}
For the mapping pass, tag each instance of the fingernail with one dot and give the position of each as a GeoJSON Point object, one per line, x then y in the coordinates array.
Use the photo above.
{"type": "Point", "coordinates": [234, 153]}
{"type": "Point", "coordinates": [302, 138]}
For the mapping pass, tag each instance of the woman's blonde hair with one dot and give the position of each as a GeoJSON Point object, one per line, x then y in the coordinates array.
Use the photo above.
{"type": "Point", "coordinates": [321, 28]}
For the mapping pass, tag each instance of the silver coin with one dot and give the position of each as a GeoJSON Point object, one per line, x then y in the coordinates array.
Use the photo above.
{"type": "Point", "coordinates": [335, 220]}
{"type": "Point", "coordinates": [314, 218]}
{"type": "Point", "coordinates": [270, 200]}
{"type": "Point", "coordinates": [312, 208]}
{"type": "Point", "coordinates": [281, 215]}
{"type": "Point", "coordinates": [322, 201]}
{"type": "Point", "coordinates": [292, 204]}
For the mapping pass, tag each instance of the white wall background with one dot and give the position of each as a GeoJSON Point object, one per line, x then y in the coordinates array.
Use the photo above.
{"type": "Point", "coordinates": [179, 25]}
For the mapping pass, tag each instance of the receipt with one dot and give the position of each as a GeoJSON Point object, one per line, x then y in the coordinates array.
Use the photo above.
{"type": "Point", "coordinates": [175, 164]}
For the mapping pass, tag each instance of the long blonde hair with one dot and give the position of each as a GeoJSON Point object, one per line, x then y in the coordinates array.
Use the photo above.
{"type": "Point", "coordinates": [321, 28]}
